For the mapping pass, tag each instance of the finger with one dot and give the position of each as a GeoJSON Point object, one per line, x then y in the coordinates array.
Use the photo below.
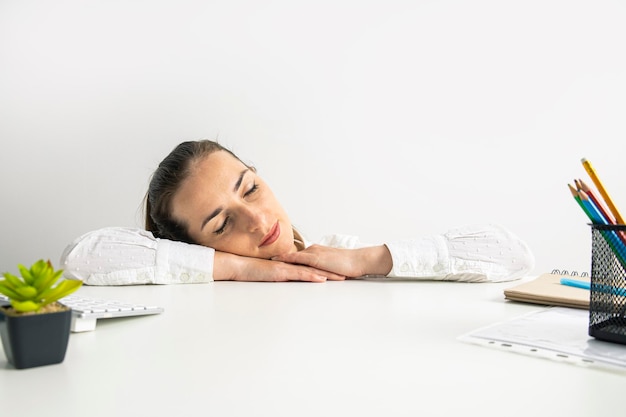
{"type": "Point", "coordinates": [299, 258]}
{"type": "Point", "coordinates": [305, 273]}
{"type": "Point", "coordinates": [307, 277]}
{"type": "Point", "coordinates": [318, 278]}
{"type": "Point", "coordinates": [288, 272]}
{"type": "Point", "coordinates": [292, 258]}
{"type": "Point", "coordinates": [331, 276]}
{"type": "Point", "coordinates": [337, 278]}
{"type": "Point", "coordinates": [311, 261]}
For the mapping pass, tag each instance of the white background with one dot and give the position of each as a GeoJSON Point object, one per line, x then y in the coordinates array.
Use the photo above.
{"type": "Point", "coordinates": [383, 119]}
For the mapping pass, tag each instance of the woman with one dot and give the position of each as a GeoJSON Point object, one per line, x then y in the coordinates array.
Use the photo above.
{"type": "Point", "coordinates": [210, 217]}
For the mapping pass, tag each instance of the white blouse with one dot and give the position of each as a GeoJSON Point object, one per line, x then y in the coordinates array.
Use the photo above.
{"type": "Point", "coordinates": [127, 256]}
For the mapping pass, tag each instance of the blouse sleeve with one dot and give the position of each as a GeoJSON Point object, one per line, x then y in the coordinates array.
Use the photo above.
{"type": "Point", "coordinates": [126, 256]}
{"type": "Point", "coordinates": [482, 253]}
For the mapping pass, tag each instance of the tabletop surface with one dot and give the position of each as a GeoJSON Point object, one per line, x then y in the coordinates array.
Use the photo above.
{"type": "Point", "coordinates": [359, 347]}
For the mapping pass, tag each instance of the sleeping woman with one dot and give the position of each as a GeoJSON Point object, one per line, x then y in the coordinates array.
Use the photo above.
{"type": "Point", "coordinates": [210, 217]}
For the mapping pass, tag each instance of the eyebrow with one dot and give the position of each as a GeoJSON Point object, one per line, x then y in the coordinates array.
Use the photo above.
{"type": "Point", "coordinates": [220, 209]}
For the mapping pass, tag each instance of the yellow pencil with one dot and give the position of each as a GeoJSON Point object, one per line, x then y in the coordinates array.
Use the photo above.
{"type": "Point", "coordinates": [601, 190]}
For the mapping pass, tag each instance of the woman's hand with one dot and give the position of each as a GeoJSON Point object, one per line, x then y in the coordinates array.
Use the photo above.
{"type": "Point", "coordinates": [374, 260]}
{"type": "Point", "coordinates": [229, 267]}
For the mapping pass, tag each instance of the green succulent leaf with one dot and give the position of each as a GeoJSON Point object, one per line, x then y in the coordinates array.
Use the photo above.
{"type": "Point", "coordinates": [25, 306]}
{"type": "Point", "coordinates": [26, 274]}
{"type": "Point", "coordinates": [13, 281]}
{"type": "Point", "coordinates": [9, 292]}
{"type": "Point", "coordinates": [63, 289]}
{"type": "Point", "coordinates": [35, 288]}
{"type": "Point", "coordinates": [47, 280]}
{"type": "Point", "coordinates": [39, 267]}
{"type": "Point", "coordinates": [27, 292]}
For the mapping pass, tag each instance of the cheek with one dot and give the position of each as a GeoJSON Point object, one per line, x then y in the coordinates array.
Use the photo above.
{"type": "Point", "coordinates": [287, 244]}
{"type": "Point", "coordinates": [237, 243]}
{"type": "Point", "coordinates": [270, 201]}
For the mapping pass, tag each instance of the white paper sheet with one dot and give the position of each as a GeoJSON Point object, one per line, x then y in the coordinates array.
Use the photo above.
{"type": "Point", "coordinates": [557, 333]}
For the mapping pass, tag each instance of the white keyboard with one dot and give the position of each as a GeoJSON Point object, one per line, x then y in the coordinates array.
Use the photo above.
{"type": "Point", "coordinates": [86, 310]}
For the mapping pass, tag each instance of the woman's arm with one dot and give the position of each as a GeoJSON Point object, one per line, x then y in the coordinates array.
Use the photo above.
{"type": "Point", "coordinates": [482, 253]}
{"type": "Point", "coordinates": [127, 256]}
{"type": "Point", "coordinates": [130, 256]}
{"type": "Point", "coordinates": [229, 267]}
{"type": "Point", "coordinates": [373, 260]}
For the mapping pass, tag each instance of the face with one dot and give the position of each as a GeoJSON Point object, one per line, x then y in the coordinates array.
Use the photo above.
{"type": "Point", "coordinates": [226, 206]}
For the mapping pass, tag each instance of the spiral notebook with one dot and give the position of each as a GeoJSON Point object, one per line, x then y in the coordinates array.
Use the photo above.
{"type": "Point", "coordinates": [548, 290]}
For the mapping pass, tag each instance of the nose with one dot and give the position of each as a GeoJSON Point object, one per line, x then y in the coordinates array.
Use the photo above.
{"type": "Point", "coordinates": [253, 218]}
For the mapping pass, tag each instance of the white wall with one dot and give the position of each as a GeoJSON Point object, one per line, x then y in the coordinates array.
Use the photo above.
{"type": "Point", "coordinates": [385, 119]}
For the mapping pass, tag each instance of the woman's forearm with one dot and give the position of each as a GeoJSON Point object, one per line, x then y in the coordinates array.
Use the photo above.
{"type": "Point", "coordinates": [225, 266]}
{"type": "Point", "coordinates": [375, 260]}
{"type": "Point", "coordinates": [229, 267]}
{"type": "Point", "coordinates": [353, 263]}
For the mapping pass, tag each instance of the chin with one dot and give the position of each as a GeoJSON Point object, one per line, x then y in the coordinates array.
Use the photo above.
{"type": "Point", "coordinates": [280, 248]}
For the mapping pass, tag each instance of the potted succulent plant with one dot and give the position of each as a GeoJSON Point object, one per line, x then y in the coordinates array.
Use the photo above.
{"type": "Point", "coordinates": [35, 327]}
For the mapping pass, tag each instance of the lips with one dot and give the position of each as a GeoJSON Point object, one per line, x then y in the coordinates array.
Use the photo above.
{"type": "Point", "coordinates": [271, 236]}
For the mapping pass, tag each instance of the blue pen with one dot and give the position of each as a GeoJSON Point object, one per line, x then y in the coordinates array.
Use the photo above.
{"type": "Point", "coordinates": [587, 286]}
{"type": "Point", "coordinates": [576, 283]}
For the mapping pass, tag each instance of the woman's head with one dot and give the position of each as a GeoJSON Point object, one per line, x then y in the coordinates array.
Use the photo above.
{"type": "Point", "coordinates": [202, 193]}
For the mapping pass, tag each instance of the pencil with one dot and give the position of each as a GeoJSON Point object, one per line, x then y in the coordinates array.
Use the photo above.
{"type": "Point", "coordinates": [577, 198]}
{"type": "Point", "coordinates": [615, 242]}
{"type": "Point", "coordinates": [584, 187]}
{"type": "Point", "coordinates": [578, 186]}
{"type": "Point", "coordinates": [601, 190]}
{"type": "Point", "coordinates": [595, 215]}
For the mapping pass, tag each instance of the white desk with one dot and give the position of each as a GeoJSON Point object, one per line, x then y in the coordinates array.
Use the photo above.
{"type": "Point", "coordinates": [354, 348]}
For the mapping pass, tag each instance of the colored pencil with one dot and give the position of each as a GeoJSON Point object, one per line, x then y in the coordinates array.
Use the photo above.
{"type": "Point", "coordinates": [594, 177]}
{"type": "Point", "coordinates": [577, 198]}
{"type": "Point", "coordinates": [595, 215]}
{"type": "Point", "coordinates": [584, 187]}
{"type": "Point", "coordinates": [615, 241]}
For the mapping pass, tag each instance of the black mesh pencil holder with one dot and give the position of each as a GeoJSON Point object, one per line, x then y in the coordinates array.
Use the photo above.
{"type": "Point", "coordinates": [607, 306]}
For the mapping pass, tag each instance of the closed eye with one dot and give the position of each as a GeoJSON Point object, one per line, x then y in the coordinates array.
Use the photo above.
{"type": "Point", "coordinates": [222, 229]}
{"type": "Point", "coordinates": [223, 226]}
{"type": "Point", "coordinates": [252, 189]}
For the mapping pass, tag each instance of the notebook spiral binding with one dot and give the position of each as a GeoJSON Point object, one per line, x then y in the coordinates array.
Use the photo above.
{"type": "Point", "coordinates": [566, 272]}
